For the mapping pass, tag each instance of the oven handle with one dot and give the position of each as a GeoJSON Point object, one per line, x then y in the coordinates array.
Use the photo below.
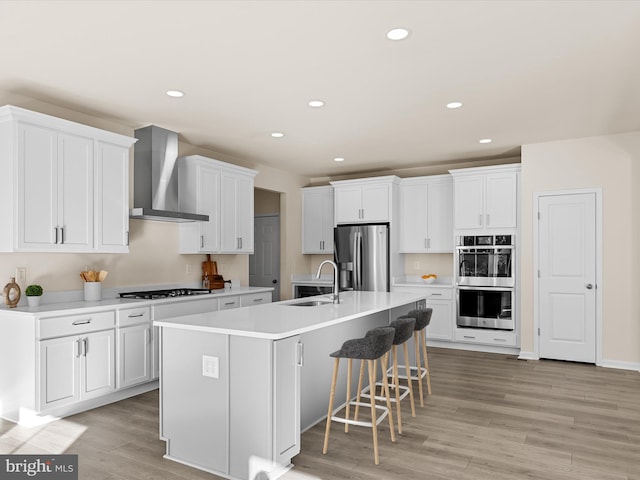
{"type": "Point", "coordinates": [491, 289]}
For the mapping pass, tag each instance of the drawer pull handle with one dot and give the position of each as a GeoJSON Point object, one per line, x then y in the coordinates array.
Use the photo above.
{"type": "Point", "coordinates": [436, 294]}
{"type": "Point", "coordinates": [257, 299]}
{"type": "Point", "coordinates": [82, 322]}
{"type": "Point", "coordinates": [500, 339]}
{"type": "Point", "coordinates": [230, 303]}
{"type": "Point", "coordinates": [136, 315]}
{"type": "Point", "coordinates": [469, 336]}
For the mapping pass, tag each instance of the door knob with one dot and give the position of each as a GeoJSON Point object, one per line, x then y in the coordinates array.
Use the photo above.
{"type": "Point", "coordinates": [589, 286]}
{"type": "Point", "coordinates": [274, 281]}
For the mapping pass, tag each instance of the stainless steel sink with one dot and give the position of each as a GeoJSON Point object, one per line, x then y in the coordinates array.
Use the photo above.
{"type": "Point", "coordinates": [310, 303]}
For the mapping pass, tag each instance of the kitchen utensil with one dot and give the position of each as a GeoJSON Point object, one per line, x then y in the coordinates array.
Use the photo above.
{"type": "Point", "coordinates": [102, 275]}
{"type": "Point", "coordinates": [209, 268]}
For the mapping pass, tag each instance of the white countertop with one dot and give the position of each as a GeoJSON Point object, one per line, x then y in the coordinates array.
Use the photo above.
{"type": "Point", "coordinates": [310, 279]}
{"type": "Point", "coordinates": [81, 306]}
{"type": "Point", "coordinates": [281, 320]}
{"type": "Point", "coordinates": [416, 281]}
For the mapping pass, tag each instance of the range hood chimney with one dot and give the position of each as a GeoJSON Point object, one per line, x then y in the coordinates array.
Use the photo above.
{"type": "Point", "coordinates": [155, 177]}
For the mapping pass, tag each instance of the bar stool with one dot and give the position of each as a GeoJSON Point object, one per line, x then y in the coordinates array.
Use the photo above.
{"type": "Point", "coordinates": [375, 344]}
{"type": "Point", "coordinates": [423, 318]}
{"type": "Point", "coordinates": [404, 328]}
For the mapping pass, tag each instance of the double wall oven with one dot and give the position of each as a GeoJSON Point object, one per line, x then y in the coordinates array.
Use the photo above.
{"type": "Point", "coordinates": [485, 280]}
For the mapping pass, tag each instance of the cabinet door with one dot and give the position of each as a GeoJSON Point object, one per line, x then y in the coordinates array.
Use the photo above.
{"type": "Point", "coordinates": [375, 203]}
{"type": "Point", "coordinates": [287, 355]}
{"type": "Point", "coordinates": [440, 217]}
{"type": "Point", "coordinates": [59, 371]}
{"type": "Point", "coordinates": [501, 200]}
{"type": "Point", "coordinates": [112, 198]}
{"type": "Point", "coordinates": [348, 204]}
{"type": "Point", "coordinates": [469, 202]}
{"type": "Point", "coordinates": [134, 355]}
{"type": "Point", "coordinates": [37, 188]}
{"type": "Point", "coordinates": [98, 372]}
{"type": "Point", "coordinates": [317, 221]}
{"type": "Point", "coordinates": [75, 193]}
{"type": "Point", "coordinates": [413, 218]}
{"type": "Point", "coordinates": [441, 324]}
{"type": "Point", "coordinates": [236, 216]}
{"type": "Point", "coordinates": [208, 202]}
{"type": "Point", "coordinates": [244, 213]}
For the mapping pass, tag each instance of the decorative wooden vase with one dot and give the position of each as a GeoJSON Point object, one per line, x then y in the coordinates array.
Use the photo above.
{"type": "Point", "coordinates": [11, 293]}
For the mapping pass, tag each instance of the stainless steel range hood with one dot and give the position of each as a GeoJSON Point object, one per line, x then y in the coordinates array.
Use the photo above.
{"type": "Point", "coordinates": [155, 177]}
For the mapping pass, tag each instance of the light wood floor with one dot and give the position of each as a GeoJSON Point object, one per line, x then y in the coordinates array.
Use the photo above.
{"type": "Point", "coordinates": [490, 417]}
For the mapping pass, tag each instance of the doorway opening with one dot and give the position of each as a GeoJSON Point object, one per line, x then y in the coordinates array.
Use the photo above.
{"type": "Point", "coordinates": [264, 263]}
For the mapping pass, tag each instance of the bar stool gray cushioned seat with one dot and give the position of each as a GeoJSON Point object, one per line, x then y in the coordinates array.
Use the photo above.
{"type": "Point", "coordinates": [423, 318]}
{"type": "Point", "coordinates": [373, 346]}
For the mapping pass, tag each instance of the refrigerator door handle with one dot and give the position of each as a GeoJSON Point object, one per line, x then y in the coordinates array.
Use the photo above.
{"type": "Point", "coordinates": [357, 261]}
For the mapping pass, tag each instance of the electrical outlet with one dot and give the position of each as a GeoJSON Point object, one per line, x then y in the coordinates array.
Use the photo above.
{"type": "Point", "coordinates": [189, 268]}
{"type": "Point", "coordinates": [21, 274]}
{"type": "Point", "coordinates": [417, 266]}
{"type": "Point", "coordinates": [210, 366]}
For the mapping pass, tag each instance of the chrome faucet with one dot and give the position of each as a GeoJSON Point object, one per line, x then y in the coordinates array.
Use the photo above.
{"type": "Point", "coordinates": [336, 287]}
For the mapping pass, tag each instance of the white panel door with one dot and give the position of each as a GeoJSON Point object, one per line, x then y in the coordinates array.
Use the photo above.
{"type": "Point", "coordinates": [59, 371]}
{"type": "Point", "coordinates": [264, 264]}
{"type": "Point", "coordinates": [566, 285]}
{"type": "Point", "coordinates": [348, 204]}
{"type": "Point", "coordinates": [440, 217]}
{"type": "Point", "coordinates": [244, 213]}
{"type": "Point", "coordinates": [413, 218]}
{"type": "Point", "coordinates": [500, 197]}
{"type": "Point", "coordinates": [375, 203]}
{"type": "Point", "coordinates": [209, 204]}
{"type": "Point", "coordinates": [134, 355]}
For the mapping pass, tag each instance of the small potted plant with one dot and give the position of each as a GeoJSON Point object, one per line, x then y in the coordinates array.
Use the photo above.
{"type": "Point", "coordinates": [33, 293]}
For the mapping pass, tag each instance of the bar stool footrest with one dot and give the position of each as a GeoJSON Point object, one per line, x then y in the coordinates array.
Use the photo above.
{"type": "Point", "coordinates": [379, 418]}
{"type": "Point", "coordinates": [403, 389]}
{"type": "Point", "coordinates": [423, 372]}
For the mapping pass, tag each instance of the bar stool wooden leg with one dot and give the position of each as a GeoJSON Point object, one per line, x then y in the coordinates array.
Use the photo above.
{"type": "Point", "coordinates": [416, 337]}
{"type": "Point", "coordinates": [407, 370]}
{"type": "Point", "coordinates": [385, 382]}
{"type": "Point", "coordinates": [359, 389]}
{"type": "Point", "coordinates": [426, 360]}
{"type": "Point", "coordinates": [325, 447]}
{"type": "Point", "coordinates": [346, 413]}
{"type": "Point", "coordinates": [396, 383]}
{"type": "Point", "coordinates": [374, 426]}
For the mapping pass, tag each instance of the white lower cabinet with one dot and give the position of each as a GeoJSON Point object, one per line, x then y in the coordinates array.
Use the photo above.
{"type": "Point", "coordinates": [227, 303]}
{"type": "Point", "coordinates": [135, 346]}
{"type": "Point", "coordinates": [255, 299]}
{"type": "Point", "coordinates": [77, 367]}
{"type": "Point", "coordinates": [287, 355]}
{"type": "Point", "coordinates": [486, 337]}
{"type": "Point", "coordinates": [440, 299]}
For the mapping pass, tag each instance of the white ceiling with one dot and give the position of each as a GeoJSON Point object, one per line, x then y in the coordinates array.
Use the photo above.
{"type": "Point", "coordinates": [526, 71]}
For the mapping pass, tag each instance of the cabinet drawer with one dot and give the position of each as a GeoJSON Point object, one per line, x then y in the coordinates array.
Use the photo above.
{"type": "Point", "coordinates": [255, 299]}
{"type": "Point", "coordinates": [486, 337]}
{"type": "Point", "coordinates": [189, 307]}
{"type": "Point", "coordinates": [76, 324]}
{"type": "Point", "coordinates": [229, 302]}
{"type": "Point", "coordinates": [430, 293]}
{"type": "Point", "coordinates": [134, 316]}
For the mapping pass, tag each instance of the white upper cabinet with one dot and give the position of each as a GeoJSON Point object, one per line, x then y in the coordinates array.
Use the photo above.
{"type": "Point", "coordinates": [68, 183]}
{"type": "Point", "coordinates": [426, 214]}
{"type": "Point", "coordinates": [486, 198]}
{"type": "Point", "coordinates": [317, 220]}
{"type": "Point", "coordinates": [225, 193]}
{"type": "Point", "coordinates": [364, 200]}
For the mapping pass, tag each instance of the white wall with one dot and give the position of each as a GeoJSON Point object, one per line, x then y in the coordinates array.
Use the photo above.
{"type": "Point", "coordinates": [609, 162]}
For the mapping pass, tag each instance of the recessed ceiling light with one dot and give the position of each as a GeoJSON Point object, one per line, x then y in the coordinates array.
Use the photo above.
{"type": "Point", "coordinates": [485, 140]}
{"type": "Point", "coordinates": [277, 134]}
{"type": "Point", "coordinates": [175, 93]}
{"type": "Point", "coordinates": [454, 105]}
{"type": "Point", "coordinates": [338, 159]}
{"type": "Point", "coordinates": [398, 34]}
{"type": "Point", "coordinates": [316, 103]}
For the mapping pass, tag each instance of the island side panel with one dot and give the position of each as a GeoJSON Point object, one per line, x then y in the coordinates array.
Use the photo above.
{"type": "Point", "coordinates": [318, 365]}
{"type": "Point", "coordinates": [251, 406]}
{"type": "Point", "coordinates": [195, 407]}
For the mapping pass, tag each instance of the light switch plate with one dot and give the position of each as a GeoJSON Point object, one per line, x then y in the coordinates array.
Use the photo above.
{"type": "Point", "coordinates": [210, 366]}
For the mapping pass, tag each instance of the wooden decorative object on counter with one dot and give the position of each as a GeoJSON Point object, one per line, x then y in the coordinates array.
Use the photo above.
{"type": "Point", "coordinates": [11, 293]}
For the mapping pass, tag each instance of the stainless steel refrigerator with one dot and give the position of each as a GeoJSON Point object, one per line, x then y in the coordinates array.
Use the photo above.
{"type": "Point", "coordinates": [362, 255]}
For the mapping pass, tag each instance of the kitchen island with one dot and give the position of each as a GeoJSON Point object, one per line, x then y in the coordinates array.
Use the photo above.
{"type": "Point", "coordinates": [237, 387]}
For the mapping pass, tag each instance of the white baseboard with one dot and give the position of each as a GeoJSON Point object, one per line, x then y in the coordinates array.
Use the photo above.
{"type": "Point", "coordinates": [528, 356]}
{"type": "Point", "coordinates": [620, 365]}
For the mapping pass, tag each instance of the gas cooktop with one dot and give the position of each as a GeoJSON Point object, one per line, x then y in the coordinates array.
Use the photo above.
{"type": "Point", "coordinates": [174, 292]}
